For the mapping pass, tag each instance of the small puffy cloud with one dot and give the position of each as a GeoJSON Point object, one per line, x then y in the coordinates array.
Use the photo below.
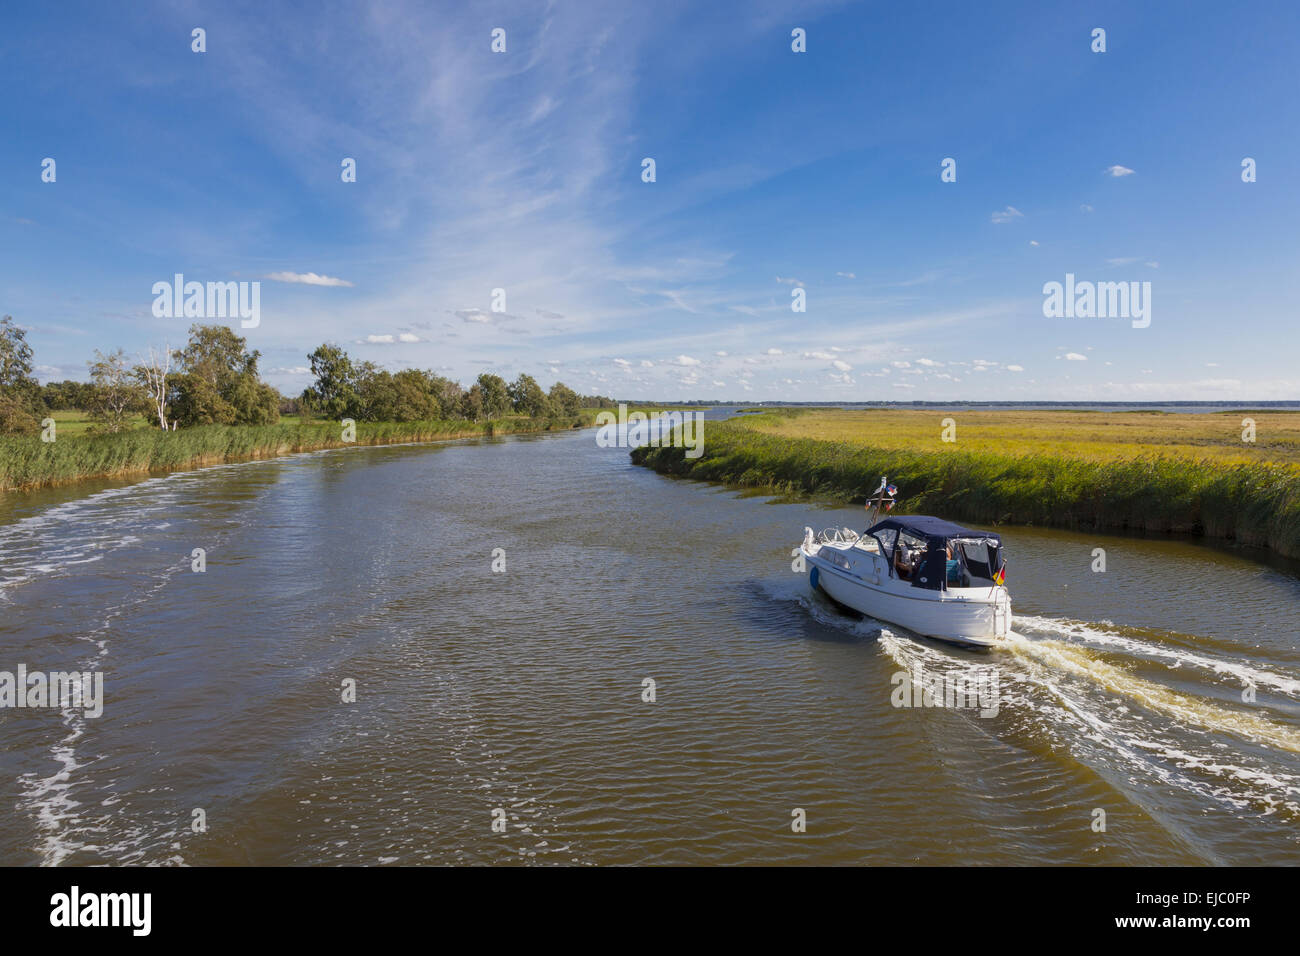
{"type": "Point", "coordinates": [929, 363]}
{"type": "Point", "coordinates": [1033, 242]}
{"type": "Point", "coordinates": [408, 337]}
{"type": "Point", "coordinates": [623, 362]}
{"type": "Point", "coordinates": [380, 339]}
{"type": "Point", "coordinates": [685, 361]}
{"type": "Point", "coordinates": [1007, 215]}
{"type": "Point", "coordinates": [720, 354]}
{"type": "Point", "coordinates": [473, 315]}
{"type": "Point", "coordinates": [290, 370]}
{"type": "Point", "coordinates": [902, 364]}
{"type": "Point", "coordinates": [1015, 368]}
{"type": "Point", "coordinates": [842, 366]}
{"type": "Point", "coordinates": [823, 356]}
{"type": "Point", "coordinates": [775, 352]}
{"type": "Point", "coordinates": [306, 278]}
{"type": "Point", "coordinates": [1117, 171]}
{"type": "Point", "coordinates": [1085, 208]}
{"type": "Point", "coordinates": [797, 282]}
{"type": "Point", "coordinates": [720, 384]}
{"type": "Point", "coordinates": [846, 275]}
{"type": "Point", "coordinates": [1076, 357]}
{"type": "Point", "coordinates": [646, 363]}
{"type": "Point", "coordinates": [1153, 265]}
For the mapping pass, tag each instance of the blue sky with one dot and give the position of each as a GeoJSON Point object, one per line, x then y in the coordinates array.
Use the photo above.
{"type": "Point", "coordinates": [775, 170]}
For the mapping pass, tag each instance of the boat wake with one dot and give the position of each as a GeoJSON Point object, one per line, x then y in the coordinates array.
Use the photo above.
{"type": "Point", "coordinates": [1136, 707]}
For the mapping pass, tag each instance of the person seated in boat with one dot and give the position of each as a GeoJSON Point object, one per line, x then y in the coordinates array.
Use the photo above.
{"type": "Point", "coordinates": [905, 560]}
{"type": "Point", "coordinates": [956, 574]}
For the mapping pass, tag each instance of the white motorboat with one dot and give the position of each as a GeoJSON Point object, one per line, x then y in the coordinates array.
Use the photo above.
{"type": "Point", "coordinates": [931, 576]}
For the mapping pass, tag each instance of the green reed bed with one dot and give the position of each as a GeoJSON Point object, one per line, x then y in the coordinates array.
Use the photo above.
{"type": "Point", "coordinates": [30, 463]}
{"type": "Point", "coordinates": [1255, 504]}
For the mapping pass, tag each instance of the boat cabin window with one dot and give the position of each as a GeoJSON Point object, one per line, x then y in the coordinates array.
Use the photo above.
{"type": "Point", "coordinates": [908, 553]}
{"type": "Point", "coordinates": [980, 558]}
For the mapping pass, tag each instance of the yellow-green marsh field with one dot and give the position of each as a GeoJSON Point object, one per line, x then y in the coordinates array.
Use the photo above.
{"type": "Point", "coordinates": [1166, 472]}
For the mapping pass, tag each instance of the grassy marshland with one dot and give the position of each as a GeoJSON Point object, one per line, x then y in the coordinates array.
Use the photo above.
{"type": "Point", "coordinates": [1143, 471]}
{"type": "Point", "coordinates": [27, 462]}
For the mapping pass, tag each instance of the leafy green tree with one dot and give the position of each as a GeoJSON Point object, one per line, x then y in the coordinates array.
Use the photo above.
{"type": "Point", "coordinates": [527, 397]}
{"type": "Point", "coordinates": [196, 401]}
{"type": "Point", "coordinates": [254, 402]}
{"type": "Point", "coordinates": [21, 402]}
{"type": "Point", "coordinates": [564, 400]}
{"type": "Point", "coordinates": [448, 395]}
{"type": "Point", "coordinates": [15, 355]}
{"type": "Point", "coordinates": [495, 395]}
{"type": "Point", "coordinates": [335, 393]}
{"type": "Point", "coordinates": [117, 397]}
{"type": "Point", "coordinates": [219, 384]}
{"type": "Point", "coordinates": [471, 403]}
{"type": "Point", "coordinates": [414, 399]}
{"type": "Point", "coordinates": [60, 396]}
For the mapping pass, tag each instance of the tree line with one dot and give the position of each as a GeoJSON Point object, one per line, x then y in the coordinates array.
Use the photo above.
{"type": "Point", "coordinates": [214, 380]}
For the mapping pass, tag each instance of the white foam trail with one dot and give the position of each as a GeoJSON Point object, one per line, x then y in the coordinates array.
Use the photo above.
{"type": "Point", "coordinates": [1069, 698]}
{"type": "Point", "coordinates": [1074, 659]}
{"type": "Point", "coordinates": [1243, 673]}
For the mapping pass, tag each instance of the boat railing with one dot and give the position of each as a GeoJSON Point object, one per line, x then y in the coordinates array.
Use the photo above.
{"type": "Point", "coordinates": [847, 536]}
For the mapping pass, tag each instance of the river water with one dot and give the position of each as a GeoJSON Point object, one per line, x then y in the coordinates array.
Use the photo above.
{"type": "Point", "coordinates": [225, 738]}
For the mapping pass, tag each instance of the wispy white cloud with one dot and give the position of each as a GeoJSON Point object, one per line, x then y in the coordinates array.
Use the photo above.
{"type": "Point", "coordinates": [306, 278]}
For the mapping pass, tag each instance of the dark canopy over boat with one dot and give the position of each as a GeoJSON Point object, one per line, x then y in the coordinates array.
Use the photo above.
{"type": "Point", "coordinates": [976, 555]}
{"type": "Point", "coordinates": [930, 528]}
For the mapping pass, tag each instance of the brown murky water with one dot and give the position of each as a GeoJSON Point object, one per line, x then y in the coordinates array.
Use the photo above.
{"type": "Point", "coordinates": [522, 690]}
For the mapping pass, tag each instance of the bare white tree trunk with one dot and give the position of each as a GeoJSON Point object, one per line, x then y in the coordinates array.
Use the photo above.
{"type": "Point", "coordinates": [154, 371]}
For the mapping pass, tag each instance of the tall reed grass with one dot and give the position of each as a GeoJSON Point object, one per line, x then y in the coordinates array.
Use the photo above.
{"type": "Point", "coordinates": [27, 462]}
{"type": "Point", "coordinates": [1255, 504]}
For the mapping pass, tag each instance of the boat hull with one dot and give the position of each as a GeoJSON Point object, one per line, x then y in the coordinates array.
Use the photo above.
{"type": "Point", "coordinates": [975, 617]}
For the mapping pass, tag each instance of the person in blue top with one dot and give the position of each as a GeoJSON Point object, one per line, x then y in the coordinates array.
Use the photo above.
{"type": "Point", "coordinates": [956, 574]}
